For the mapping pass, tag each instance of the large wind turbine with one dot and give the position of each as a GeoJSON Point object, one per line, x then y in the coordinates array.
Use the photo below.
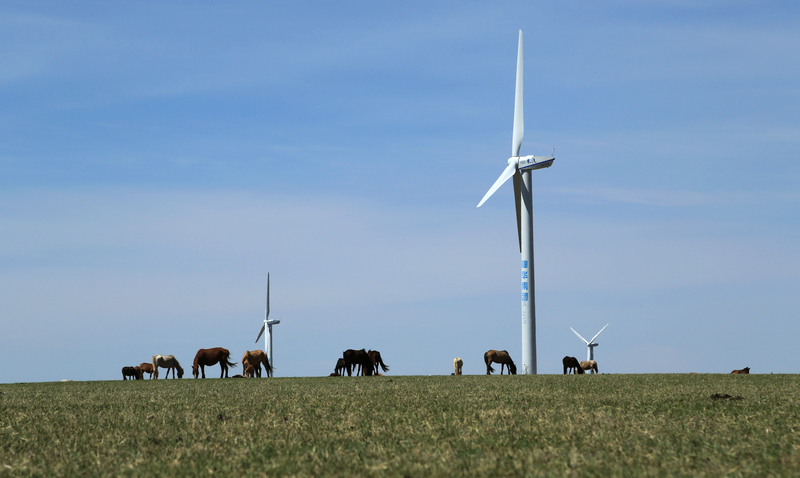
{"type": "Point", "coordinates": [590, 343]}
{"type": "Point", "coordinates": [268, 327]}
{"type": "Point", "coordinates": [520, 168]}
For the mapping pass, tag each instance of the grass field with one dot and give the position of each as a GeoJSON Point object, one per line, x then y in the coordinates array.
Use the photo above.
{"type": "Point", "coordinates": [614, 425]}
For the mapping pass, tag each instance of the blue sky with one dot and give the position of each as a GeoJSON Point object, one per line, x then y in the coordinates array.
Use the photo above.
{"type": "Point", "coordinates": [157, 160]}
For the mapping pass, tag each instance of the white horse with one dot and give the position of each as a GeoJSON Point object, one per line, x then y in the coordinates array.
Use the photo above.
{"type": "Point", "coordinates": [589, 365]}
{"type": "Point", "coordinates": [168, 362]}
{"type": "Point", "coordinates": [458, 364]}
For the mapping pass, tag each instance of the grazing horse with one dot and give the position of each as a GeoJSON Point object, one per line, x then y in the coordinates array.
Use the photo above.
{"type": "Point", "coordinates": [249, 370]}
{"type": "Point", "coordinates": [587, 365]}
{"type": "Point", "coordinates": [500, 357]}
{"type": "Point", "coordinates": [358, 358]}
{"type": "Point", "coordinates": [571, 363]}
{"type": "Point", "coordinates": [745, 371]}
{"type": "Point", "coordinates": [134, 372]}
{"type": "Point", "coordinates": [256, 358]}
{"type": "Point", "coordinates": [458, 364]}
{"type": "Point", "coordinates": [168, 362]}
{"type": "Point", "coordinates": [377, 361]}
{"type": "Point", "coordinates": [211, 357]}
{"type": "Point", "coordinates": [340, 368]}
{"type": "Point", "coordinates": [146, 368]}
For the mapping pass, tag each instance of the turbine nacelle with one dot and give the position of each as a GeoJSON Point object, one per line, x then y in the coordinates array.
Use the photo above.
{"type": "Point", "coordinates": [531, 163]}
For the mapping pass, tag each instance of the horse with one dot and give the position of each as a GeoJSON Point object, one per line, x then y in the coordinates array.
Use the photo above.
{"type": "Point", "coordinates": [500, 357]}
{"type": "Point", "coordinates": [745, 371]}
{"type": "Point", "coordinates": [249, 370]}
{"type": "Point", "coordinates": [359, 358]}
{"type": "Point", "coordinates": [377, 361]}
{"type": "Point", "coordinates": [211, 357]}
{"type": "Point", "coordinates": [458, 364]}
{"type": "Point", "coordinates": [256, 358]}
{"type": "Point", "coordinates": [134, 372]}
{"type": "Point", "coordinates": [168, 362]}
{"type": "Point", "coordinates": [587, 365]}
{"type": "Point", "coordinates": [340, 368]}
{"type": "Point", "coordinates": [571, 363]}
{"type": "Point", "coordinates": [146, 368]}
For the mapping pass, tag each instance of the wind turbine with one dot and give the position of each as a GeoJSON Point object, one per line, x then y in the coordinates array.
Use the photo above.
{"type": "Point", "coordinates": [268, 327]}
{"type": "Point", "coordinates": [590, 343]}
{"type": "Point", "coordinates": [520, 168]}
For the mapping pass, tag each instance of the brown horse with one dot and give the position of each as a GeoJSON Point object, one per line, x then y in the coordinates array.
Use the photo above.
{"type": "Point", "coordinates": [146, 368]}
{"type": "Point", "coordinates": [340, 368]}
{"type": "Point", "coordinates": [358, 358]}
{"type": "Point", "coordinates": [588, 365]}
{"type": "Point", "coordinates": [745, 371]}
{"type": "Point", "coordinates": [377, 361]}
{"type": "Point", "coordinates": [168, 362]}
{"type": "Point", "coordinates": [249, 370]}
{"type": "Point", "coordinates": [256, 358]}
{"type": "Point", "coordinates": [500, 357]}
{"type": "Point", "coordinates": [134, 372]}
{"type": "Point", "coordinates": [211, 357]}
{"type": "Point", "coordinates": [573, 364]}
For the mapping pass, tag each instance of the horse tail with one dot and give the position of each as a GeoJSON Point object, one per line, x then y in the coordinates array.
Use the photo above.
{"type": "Point", "coordinates": [267, 366]}
{"type": "Point", "coordinates": [381, 364]}
{"type": "Point", "coordinates": [155, 367]}
{"type": "Point", "coordinates": [228, 360]}
{"type": "Point", "coordinates": [488, 367]}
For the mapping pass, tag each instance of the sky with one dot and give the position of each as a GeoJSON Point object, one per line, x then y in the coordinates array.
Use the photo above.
{"type": "Point", "coordinates": [159, 159]}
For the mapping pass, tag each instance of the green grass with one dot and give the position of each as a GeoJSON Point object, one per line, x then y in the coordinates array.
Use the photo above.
{"type": "Point", "coordinates": [553, 425]}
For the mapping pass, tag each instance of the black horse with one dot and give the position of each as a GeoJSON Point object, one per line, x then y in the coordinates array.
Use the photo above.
{"type": "Point", "coordinates": [571, 363]}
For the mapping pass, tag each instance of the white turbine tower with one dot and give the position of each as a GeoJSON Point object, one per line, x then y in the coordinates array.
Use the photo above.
{"type": "Point", "coordinates": [590, 343]}
{"type": "Point", "coordinates": [268, 327]}
{"type": "Point", "coordinates": [520, 168]}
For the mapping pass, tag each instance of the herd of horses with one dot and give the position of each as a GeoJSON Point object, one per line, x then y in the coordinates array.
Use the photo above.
{"type": "Point", "coordinates": [252, 361]}
{"type": "Point", "coordinates": [571, 363]}
{"type": "Point", "coordinates": [363, 363]}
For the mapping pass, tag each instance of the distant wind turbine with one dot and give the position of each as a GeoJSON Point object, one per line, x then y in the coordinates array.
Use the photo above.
{"type": "Point", "coordinates": [590, 343]}
{"type": "Point", "coordinates": [520, 168]}
{"type": "Point", "coordinates": [268, 327]}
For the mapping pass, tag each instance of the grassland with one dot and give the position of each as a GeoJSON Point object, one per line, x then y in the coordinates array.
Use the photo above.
{"type": "Point", "coordinates": [604, 425]}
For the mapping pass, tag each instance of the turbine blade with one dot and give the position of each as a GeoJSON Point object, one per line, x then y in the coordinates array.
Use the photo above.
{"type": "Point", "coordinates": [519, 123]}
{"type": "Point", "coordinates": [579, 335]}
{"type": "Point", "coordinates": [260, 333]}
{"type": "Point", "coordinates": [518, 201]}
{"type": "Point", "coordinates": [507, 173]}
{"type": "Point", "coordinates": [598, 333]}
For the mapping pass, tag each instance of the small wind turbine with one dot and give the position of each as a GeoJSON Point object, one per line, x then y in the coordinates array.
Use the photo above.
{"type": "Point", "coordinates": [268, 327]}
{"type": "Point", "coordinates": [520, 168]}
{"type": "Point", "coordinates": [590, 343]}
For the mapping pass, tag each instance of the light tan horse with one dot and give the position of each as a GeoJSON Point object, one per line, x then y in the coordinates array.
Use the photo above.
{"type": "Point", "coordinates": [744, 371]}
{"type": "Point", "coordinates": [589, 365]}
{"type": "Point", "coordinates": [256, 358]}
{"type": "Point", "coordinates": [168, 362]}
{"type": "Point", "coordinates": [458, 364]}
{"type": "Point", "coordinates": [501, 357]}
